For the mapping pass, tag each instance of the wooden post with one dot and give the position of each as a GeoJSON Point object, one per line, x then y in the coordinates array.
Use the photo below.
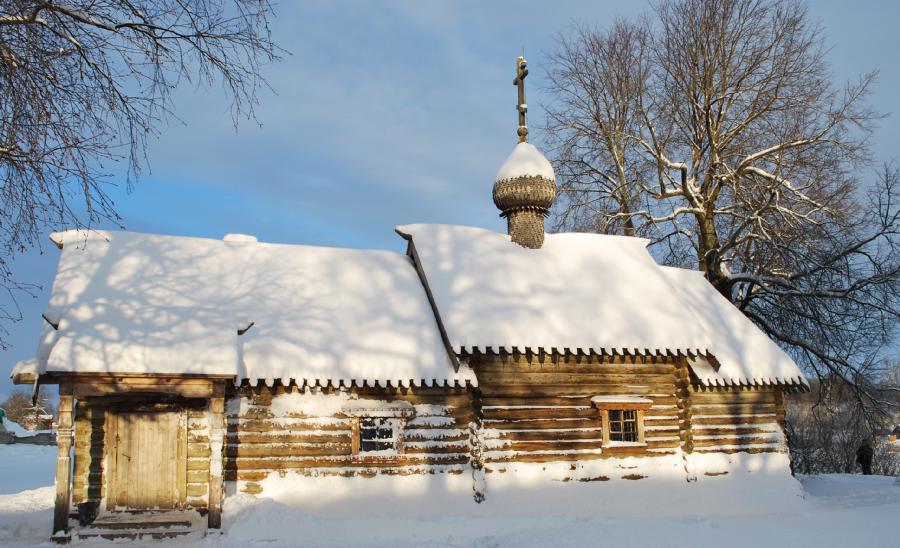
{"type": "Point", "coordinates": [685, 406]}
{"type": "Point", "coordinates": [354, 436]}
{"type": "Point", "coordinates": [63, 462]}
{"type": "Point", "coordinates": [216, 455]}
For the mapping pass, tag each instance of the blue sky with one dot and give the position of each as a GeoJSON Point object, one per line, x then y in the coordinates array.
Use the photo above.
{"type": "Point", "coordinates": [385, 114]}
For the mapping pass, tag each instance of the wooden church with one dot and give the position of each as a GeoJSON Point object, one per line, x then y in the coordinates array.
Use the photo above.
{"type": "Point", "coordinates": [185, 364]}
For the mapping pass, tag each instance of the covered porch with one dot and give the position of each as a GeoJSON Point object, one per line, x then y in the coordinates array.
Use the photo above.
{"type": "Point", "coordinates": [137, 454]}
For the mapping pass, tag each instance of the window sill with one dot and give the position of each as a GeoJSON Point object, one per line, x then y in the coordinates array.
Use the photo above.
{"type": "Point", "coordinates": [363, 459]}
{"type": "Point", "coordinates": [614, 444]}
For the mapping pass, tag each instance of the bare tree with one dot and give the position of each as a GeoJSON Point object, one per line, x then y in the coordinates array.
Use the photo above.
{"type": "Point", "coordinates": [87, 82]}
{"type": "Point", "coordinates": [712, 127]}
{"type": "Point", "coordinates": [31, 415]}
{"type": "Point", "coordinates": [826, 427]}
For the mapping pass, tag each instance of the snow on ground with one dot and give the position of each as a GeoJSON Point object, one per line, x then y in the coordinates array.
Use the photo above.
{"type": "Point", "coordinates": [436, 510]}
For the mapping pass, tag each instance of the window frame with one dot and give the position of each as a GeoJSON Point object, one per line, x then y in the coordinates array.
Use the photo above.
{"type": "Point", "coordinates": [396, 423]}
{"type": "Point", "coordinates": [396, 412]}
{"type": "Point", "coordinates": [626, 418]}
{"type": "Point", "coordinates": [624, 403]}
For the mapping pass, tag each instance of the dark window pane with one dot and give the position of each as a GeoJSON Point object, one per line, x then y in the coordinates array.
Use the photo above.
{"type": "Point", "coordinates": [375, 434]}
{"type": "Point", "coordinates": [623, 425]}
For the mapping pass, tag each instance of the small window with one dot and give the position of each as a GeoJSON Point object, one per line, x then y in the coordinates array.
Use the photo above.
{"type": "Point", "coordinates": [377, 434]}
{"type": "Point", "coordinates": [623, 425]}
{"type": "Point", "coordinates": [376, 426]}
{"type": "Point", "coordinates": [622, 418]}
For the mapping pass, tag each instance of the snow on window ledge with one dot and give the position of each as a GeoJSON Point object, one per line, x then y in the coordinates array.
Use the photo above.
{"type": "Point", "coordinates": [621, 402]}
{"type": "Point", "coordinates": [613, 444]}
{"type": "Point", "coordinates": [377, 408]}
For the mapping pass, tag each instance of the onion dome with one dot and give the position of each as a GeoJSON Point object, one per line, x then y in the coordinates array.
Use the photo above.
{"type": "Point", "coordinates": [525, 185]}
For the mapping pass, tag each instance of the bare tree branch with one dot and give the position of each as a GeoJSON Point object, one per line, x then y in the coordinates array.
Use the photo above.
{"type": "Point", "coordinates": [87, 82]}
{"type": "Point", "coordinates": [738, 156]}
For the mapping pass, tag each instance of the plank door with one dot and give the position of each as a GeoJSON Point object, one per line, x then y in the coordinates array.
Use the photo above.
{"type": "Point", "coordinates": [148, 460]}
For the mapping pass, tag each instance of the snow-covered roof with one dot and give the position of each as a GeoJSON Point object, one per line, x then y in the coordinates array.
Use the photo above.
{"type": "Point", "coordinates": [525, 161]}
{"type": "Point", "coordinates": [586, 291]}
{"type": "Point", "coordinates": [138, 303]}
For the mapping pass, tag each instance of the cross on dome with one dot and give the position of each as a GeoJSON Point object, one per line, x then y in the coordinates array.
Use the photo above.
{"type": "Point", "coordinates": [522, 107]}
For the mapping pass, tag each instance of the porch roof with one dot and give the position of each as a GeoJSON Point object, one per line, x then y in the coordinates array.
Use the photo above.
{"type": "Point", "coordinates": [134, 303]}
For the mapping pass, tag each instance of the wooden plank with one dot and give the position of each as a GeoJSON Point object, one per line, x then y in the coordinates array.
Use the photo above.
{"type": "Point", "coordinates": [190, 388]}
{"type": "Point", "coordinates": [197, 490]}
{"type": "Point", "coordinates": [732, 450]}
{"type": "Point", "coordinates": [570, 389]}
{"type": "Point", "coordinates": [546, 400]}
{"type": "Point", "coordinates": [181, 459]}
{"type": "Point", "coordinates": [557, 445]}
{"type": "Point", "coordinates": [555, 434]}
{"type": "Point", "coordinates": [698, 408]}
{"type": "Point", "coordinates": [731, 429]}
{"type": "Point", "coordinates": [736, 440]}
{"type": "Point", "coordinates": [487, 376]}
{"type": "Point", "coordinates": [538, 457]}
{"type": "Point", "coordinates": [599, 361]}
{"type": "Point", "coordinates": [198, 464]}
{"type": "Point", "coordinates": [217, 429]}
{"type": "Point", "coordinates": [294, 427]}
{"type": "Point", "coordinates": [662, 420]}
{"type": "Point", "coordinates": [196, 476]}
{"type": "Point", "coordinates": [110, 456]}
{"type": "Point", "coordinates": [539, 413]}
{"type": "Point", "coordinates": [735, 420]}
{"type": "Point", "coordinates": [662, 444]}
{"type": "Point", "coordinates": [779, 407]}
{"type": "Point", "coordinates": [520, 424]}
{"type": "Point", "coordinates": [199, 450]}
{"type": "Point", "coordinates": [348, 461]}
{"type": "Point", "coordinates": [63, 461]}
{"type": "Point", "coordinates": [287, 450]}
{"type": "Point", "coordinates": [80, 454]}
{"type": "Point", "coordinates": [449, 448]}
{"type": "Point", "coordinates": [243, 438]}
{"type": "Point", "coordinates": [572, 368]}
{"type": "Point", "coordinates": [640, 423]}
{"type": "Point", "coordinates": [355, 439]}
{"type": "Point", "coordinates": [733, 396]}
{"type": "Point", "coordinates": [266, 414]}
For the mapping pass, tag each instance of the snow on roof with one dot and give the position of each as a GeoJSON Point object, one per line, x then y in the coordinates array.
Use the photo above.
{"type": "Point", "coordinates": [745, 353]}
{"type": "Point", "coordinates": [585, 291]}
{"type": "Point", "coordinates": [140, 303]}
{"type": "Point", "coordinates": [621, 399]}
{"type": "Point", "coordinates": [525, 160]}
{"type": "Point", "coordinates": [25, 367]}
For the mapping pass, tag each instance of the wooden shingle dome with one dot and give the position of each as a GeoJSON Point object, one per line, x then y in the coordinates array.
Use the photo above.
{"type": "Point", "coordinates": [525, 185]}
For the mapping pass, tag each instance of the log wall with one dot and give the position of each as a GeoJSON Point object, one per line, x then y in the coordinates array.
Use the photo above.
{"type": "Point", "coordinates": [88, 476]}
{"type": "Point", "coordinates": [535, 410]}
{"type": "Point", "coordinates": [737, 419]}
{"type": "Point", "coordinates": [198, 453]}
{"type": "Point", "coordinates": [90, 452]}
{"type": "Point", "coordinates": [264, 437]}
{"type": "Point", "coordinates": [525, 409]}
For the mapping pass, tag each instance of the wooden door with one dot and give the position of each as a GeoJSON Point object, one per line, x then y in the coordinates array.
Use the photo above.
{"type": "Point", "coordinates": [148, 460]}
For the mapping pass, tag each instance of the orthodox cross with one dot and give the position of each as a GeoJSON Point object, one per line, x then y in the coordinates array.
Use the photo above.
{"type": "Point", "coordinates": [522, 107]}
